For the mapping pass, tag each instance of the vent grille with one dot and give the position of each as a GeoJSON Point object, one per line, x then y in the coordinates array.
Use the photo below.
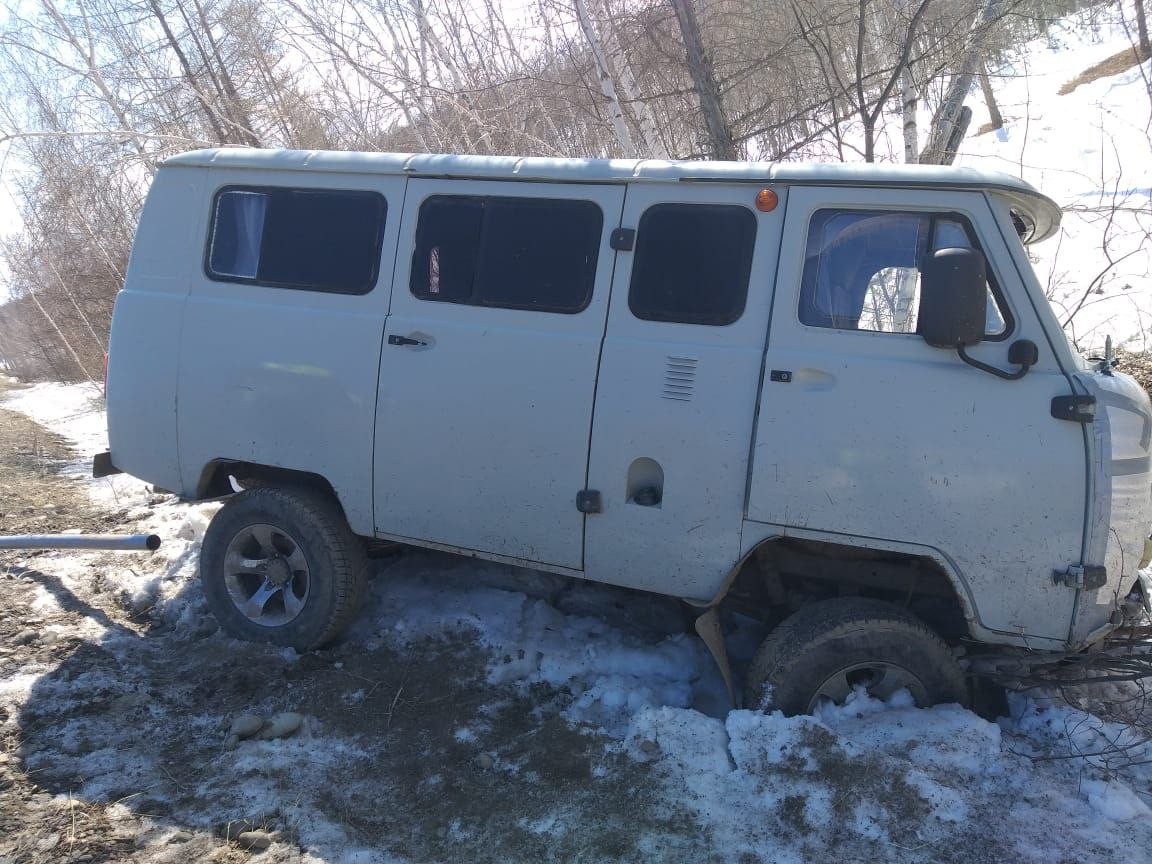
{"type": "Point", "coordinates": [680, 378]}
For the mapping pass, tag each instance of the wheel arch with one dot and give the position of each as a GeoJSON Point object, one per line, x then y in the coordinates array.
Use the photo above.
{"type": "Point", "coordinates": [779, 568]}
{"type": "Point", "coordinates": [215, 479]}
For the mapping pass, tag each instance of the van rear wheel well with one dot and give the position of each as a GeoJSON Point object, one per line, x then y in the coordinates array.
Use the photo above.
{"type": "Point", "coordinates": [784, 574]}
{"type": "Point", "coordinates": [217, 476]}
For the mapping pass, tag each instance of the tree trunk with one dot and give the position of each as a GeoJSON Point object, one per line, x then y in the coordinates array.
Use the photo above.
{"type": "Point", "coordinates": [652, 142]}
{"type": "Point", "coordinates": [189, 76]}
{"type": "Point", "coordinates": [990, 99]}
{"type": "Point", "coordinates": [607, 86]}
{"type": "Point", "coordinates": [720, 138]}
{"type": "Point", "coordinates": [947, 119]}
{"type": "Point", "coordinates": [908, 108]}
{"type": "Point", "coordinates": [235, 107]}
{"type": "Point", "coordinates": [959, 130]}
{"type": "Point", "coordinates": [1142, 30]}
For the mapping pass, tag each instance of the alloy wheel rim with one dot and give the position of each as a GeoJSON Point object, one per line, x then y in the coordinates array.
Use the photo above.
{"type": "Point", "coordinates": [881, 680]}
{"type": "Point", "coordinates": [267, 575]}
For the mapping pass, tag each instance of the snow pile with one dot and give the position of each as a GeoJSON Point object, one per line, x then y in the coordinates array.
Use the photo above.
{"type": "Point", "coordinates": [524, 619]}
{"type": "Point", "coordinates": [876, 772]}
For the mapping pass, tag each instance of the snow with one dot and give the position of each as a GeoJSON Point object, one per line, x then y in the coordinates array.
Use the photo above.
{"type": "Point", "coordinates": [1115, 801]}
{"type": "Point", "coordinates": [1091, 151]}
{"type": "Point", "coordinates": [865, 776]}
{"type": "Point", "coordinates": [612, 672]}
{"type": "Point", "coordinates": [76, 411]}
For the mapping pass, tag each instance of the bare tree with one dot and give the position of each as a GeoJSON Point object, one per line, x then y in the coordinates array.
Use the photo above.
{"type": "Point", "coordinates": [604, 75]}
{"type": "Point", "coordinates": [720, 139]}
{"type": "Point", "coordinates": [951, 120]}
{"type": "Point", "coordinates": [1142, 29]}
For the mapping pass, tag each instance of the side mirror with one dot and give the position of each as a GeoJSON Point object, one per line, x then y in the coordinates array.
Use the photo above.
{"type": "Point", "coordinates": [953, 298]}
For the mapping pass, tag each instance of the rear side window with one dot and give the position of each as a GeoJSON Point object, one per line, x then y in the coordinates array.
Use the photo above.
{"type": "Point", "coordinates": [311, 239]}
{"type": "Point", "coordinates": [513, 253]}
{"type": "Point", "coordinates": [692, 263]}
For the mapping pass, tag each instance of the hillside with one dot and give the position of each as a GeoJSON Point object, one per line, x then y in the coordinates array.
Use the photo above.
{"type": "Point", "coordinates": [1090, 150]}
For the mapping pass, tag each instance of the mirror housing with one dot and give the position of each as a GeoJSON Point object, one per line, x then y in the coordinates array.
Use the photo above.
{"type": "Point", "coordinates": [953, 298]}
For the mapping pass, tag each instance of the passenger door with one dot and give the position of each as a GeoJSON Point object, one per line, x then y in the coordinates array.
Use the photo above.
{"type": "Point", "coordinates": [866, 430]}
{"type": "Point", "coordinates": [488, 367]}
{"type": "Point", "coordinates": [678, 383]}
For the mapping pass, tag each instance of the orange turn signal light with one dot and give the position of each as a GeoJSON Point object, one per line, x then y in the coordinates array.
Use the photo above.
{"type": "Point", "coordinates": [766, 200]}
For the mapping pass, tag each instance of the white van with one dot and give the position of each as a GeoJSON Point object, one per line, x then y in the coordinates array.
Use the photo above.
{"type": "Point", "coordinates": [832, 396]}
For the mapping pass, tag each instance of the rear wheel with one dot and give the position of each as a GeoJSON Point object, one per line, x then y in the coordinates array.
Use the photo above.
{"type": "Point", "coordinates": [823, 652]}
{"type": "Point", "coordinates": [280, 565]}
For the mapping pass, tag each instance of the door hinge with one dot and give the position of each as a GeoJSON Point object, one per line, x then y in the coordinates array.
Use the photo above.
{"type": "Point", "coordinates": [1082, 576]}
{"type": "Point", "coordinates": [588, 501]}
{"type": "Point", "coordinates": [1078, 409]}
{"type": "Point", "coordinates": [622, 239]}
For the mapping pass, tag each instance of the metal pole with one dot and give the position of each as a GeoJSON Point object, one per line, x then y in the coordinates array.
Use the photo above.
{"type": "Point", "coordinates": [113, 542]}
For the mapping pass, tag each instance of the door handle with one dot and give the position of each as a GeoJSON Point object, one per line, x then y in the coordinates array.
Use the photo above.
{"type": "Point", "coordinates": [405, 340]}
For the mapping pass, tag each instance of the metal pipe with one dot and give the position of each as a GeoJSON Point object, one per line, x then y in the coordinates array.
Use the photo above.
{"type": "Point", "coordinates": [113, 542]}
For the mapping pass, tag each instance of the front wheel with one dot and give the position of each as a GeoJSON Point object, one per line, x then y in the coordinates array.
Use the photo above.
{"type": "Point", "coordinates": [824, 651]}
{"type": "Point", "coordinates": [280, 565]}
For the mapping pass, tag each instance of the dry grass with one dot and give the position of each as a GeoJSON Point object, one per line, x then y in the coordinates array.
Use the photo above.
{"type": "Point", "coordinates": [1139, 366]}
{"type": "Point", "coordinates": [1114, 65]}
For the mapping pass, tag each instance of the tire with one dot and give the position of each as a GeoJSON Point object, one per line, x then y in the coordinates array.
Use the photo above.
{"type": "Point", "coordinates": [822, 651]}
{"type": "Point", "coordinates": [281, 565]}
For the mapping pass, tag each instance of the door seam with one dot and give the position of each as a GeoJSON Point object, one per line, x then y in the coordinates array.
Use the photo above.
{"type": "Point", "coordinates": [599, 362]}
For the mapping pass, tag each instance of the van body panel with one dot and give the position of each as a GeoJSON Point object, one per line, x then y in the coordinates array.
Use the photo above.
{"type": "Point", "coordinates": [482, 432]}
{"type": "Point", "coordinates": [142, 392]}
{"type": "Point", "coordinates": [881, 435]}
{"type": "Point", "coordinates": [1121, 444]}
{"type": "Point", "coordinates": [698, 435]}
{"type": "Point", "coordinates": [285, 377]}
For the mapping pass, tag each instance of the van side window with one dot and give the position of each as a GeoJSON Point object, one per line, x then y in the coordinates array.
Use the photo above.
{"type": "Point", "coordinates": [862, 269]}
{"type": "Point", "coordinates": [538, 254]}
{"type": "Point", "coordinates": [692, 263]}
{"type": "Point", "coordinates": [311, 239]}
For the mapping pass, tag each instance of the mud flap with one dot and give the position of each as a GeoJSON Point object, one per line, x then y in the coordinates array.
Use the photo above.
{"type": "Point", "coordinates": [709, 630]}
{"type": "Point", "coordinates": [102, 465]}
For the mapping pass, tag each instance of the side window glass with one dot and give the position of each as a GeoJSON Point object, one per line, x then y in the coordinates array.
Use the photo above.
{"type": "Point", "coordinates": [862, 269]}
{"type": "Point", "coordinates": [447, 243]}
{"type": "Point", "coordinates": [311, 239]}
{"type": "Point", "coordinates": [513, 253]}
{"type": "Point", "coordinates": [237, 230]}
{"type": "Point", "coordinates": [692, 263]}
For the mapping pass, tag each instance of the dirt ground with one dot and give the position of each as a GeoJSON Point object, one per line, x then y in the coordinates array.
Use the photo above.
{"type": "Point", "coordinates": [137, 718]}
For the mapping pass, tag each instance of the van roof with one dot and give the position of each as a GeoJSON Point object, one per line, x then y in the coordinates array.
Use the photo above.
{"type": "Point", "coordinates": [1040, 215]}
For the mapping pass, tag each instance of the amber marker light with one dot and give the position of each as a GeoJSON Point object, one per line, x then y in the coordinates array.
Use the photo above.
{"type": "Point", "coordinates": [766, 200]}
